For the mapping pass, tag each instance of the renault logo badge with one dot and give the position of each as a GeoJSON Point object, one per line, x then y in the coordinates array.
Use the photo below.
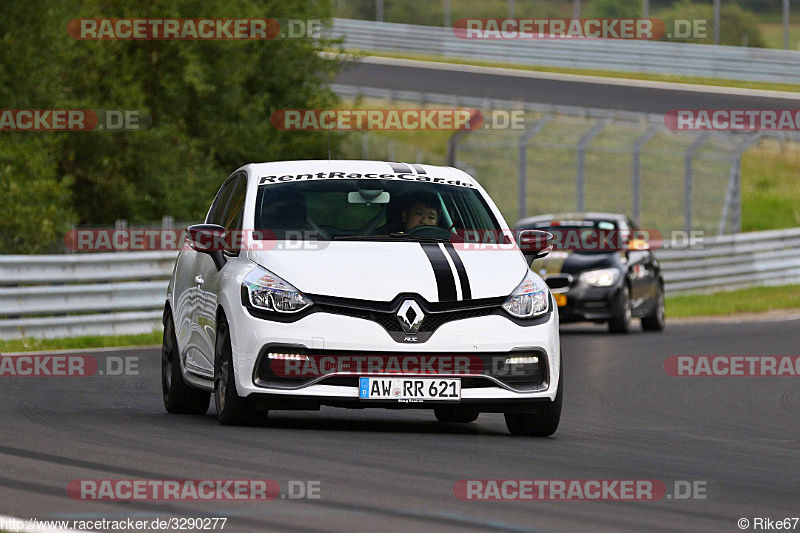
{"type": "Point", "coordinates": [410, 316]}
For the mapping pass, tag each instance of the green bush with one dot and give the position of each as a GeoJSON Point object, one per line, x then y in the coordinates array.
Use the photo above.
{"type": "Point", "coordinates": [738, 27]}
{"type": "Point", "coordinates": [625, 9]}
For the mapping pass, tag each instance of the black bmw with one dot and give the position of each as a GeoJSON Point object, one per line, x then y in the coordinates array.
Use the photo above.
{"type": "Point", "coordinates": [601, 270]}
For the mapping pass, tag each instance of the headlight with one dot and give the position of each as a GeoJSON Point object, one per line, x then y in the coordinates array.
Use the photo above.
{"type": "Point", "coordinates": [604, 277]}
{"type": "Point", "coordinates": [267, 291]}
{"type": "Point", "coordinates": [529, 299]}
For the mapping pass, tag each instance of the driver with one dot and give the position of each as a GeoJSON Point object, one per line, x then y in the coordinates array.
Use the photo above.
{"type": "Point", "coordinates": [420, 211]}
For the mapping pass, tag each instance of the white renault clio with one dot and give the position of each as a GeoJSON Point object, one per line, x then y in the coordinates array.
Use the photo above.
{"type": "Point", "coordinates": [361, 284]}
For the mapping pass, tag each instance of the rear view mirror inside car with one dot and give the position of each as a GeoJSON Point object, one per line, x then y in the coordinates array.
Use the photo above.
{"type": "Point", "coordinates": [368, 196]}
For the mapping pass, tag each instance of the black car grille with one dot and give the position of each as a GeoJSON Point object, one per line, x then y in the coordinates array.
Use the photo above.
{"type": "Point", "coordinates": [390, 322]}
{"type": "Point", "coordinates": [558, 281]}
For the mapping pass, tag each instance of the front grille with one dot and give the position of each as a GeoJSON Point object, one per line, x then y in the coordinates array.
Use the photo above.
{"type": "Point", "coordinates": [523, 377]}
{"type": "Point", "coordinates": [558, 281]}
{"type": "Point", "coordinates": [385, 315]}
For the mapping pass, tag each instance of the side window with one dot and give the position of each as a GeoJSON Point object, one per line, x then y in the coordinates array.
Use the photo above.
{"type": "Point", "coordinates": [224, 194]}
{"type": "Point", "coordinates": [232, 214]}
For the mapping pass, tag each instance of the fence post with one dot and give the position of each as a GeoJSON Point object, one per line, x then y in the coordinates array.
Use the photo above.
{"type": "Point", "coordinates": [365, 145]}
{"type": "Point", "coordinates": [522, 187]}
{"type": "Point", "coordinates": [687, 179]}
{"type": "Point", "coordinates": [452, 145]}
{"type": "Point", "coordinates": [638, 146]}
{"type": "Point", "coordinates": [390, 150]}
{"type": "Point", "coordinates": [733, 193]}
{"type": "Point", "coordinates": [580, 184]}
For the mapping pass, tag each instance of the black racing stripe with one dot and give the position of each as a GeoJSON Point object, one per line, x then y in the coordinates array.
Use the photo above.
{"type": "Point", "coordinates": [466, 292]}
{"type": "Point", "coordinates": [419, 169]}
{"type": "Point", "coordinates": [445, 281]}
{"type": "Point", "coordinates": [400, 168]}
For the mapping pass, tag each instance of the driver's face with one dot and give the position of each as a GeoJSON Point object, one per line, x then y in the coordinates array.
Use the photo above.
{"type": "Point", "coordinates": [420, 215]}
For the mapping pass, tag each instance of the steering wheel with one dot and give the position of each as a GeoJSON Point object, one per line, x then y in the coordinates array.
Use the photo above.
{"type": "Point", "coordinates": [434, 232]}
{"type": "Point", "coordinates": [418, 229]}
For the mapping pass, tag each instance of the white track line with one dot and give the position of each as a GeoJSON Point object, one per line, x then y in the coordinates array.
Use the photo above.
{"type": "Point", "coordinates": [579, 78]}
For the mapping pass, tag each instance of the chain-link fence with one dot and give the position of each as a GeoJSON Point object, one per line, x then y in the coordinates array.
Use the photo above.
{"type": "Point", "coordinates": [567, 158]}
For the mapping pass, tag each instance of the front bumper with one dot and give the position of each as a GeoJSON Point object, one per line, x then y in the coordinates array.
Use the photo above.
{"type": "Point", "coordinates": [326, 333]}
{"type": "Point", "coordinates": [588, 303]}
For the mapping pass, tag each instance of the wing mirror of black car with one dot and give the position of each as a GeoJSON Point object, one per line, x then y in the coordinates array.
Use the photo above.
{"type": "Point", "coordinates": [535, 243]}
{"type": "Point", "coordinates": [208, 239]}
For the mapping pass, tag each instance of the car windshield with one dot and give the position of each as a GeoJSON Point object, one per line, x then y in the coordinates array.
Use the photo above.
{"type": "Point", "coordinates": [350, 209]}
{"type": "Point", "coordinates": [585, 236]}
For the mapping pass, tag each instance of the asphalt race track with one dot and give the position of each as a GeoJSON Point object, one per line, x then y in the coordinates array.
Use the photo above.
{"type": "Point", "coordinates": [549, 91]}
{"type": "Point", "coordinates": [624, 418]}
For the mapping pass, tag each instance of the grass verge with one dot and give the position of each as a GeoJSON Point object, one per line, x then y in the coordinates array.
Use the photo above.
{"type": "Point", "coordinates": [77, 343]}
{"type": "Point", "coordinates": [753, 300]}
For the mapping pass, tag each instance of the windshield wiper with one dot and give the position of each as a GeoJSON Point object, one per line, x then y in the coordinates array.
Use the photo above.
{"type": "Point", "coordinates": [416, 238]}
{"type": "Point", "coordinates": [390, 237]}
{"type": "Point", "coordinates": [361, 238]}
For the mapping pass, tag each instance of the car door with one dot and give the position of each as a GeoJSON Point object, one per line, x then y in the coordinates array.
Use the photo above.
{"type": "Point", "coordinates": [641, 270]}
{"type": "Point", "coordinates": [189, 295]}
{"type": "Point", "coordinates": [229, 217]}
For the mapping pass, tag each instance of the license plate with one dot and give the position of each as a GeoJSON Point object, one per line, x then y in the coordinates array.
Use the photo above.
{"type": "Point", "coordinates": [409, 389]}
{"type": "Point", "coordinates": [561, 299]}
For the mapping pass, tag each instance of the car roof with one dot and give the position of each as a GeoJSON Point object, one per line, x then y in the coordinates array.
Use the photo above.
{"type": "Point", "coordinates": [313, 166]}
{"type": "Point", "coordinates": [571, 216]}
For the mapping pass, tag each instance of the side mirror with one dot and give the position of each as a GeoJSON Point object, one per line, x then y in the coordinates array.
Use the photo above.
{"type": "Point", "coordinates": [208, 239]}
{"type": "Point", "coordinates": [535, 243]}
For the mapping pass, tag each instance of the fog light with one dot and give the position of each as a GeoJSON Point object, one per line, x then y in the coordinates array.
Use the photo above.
{"type": "Point", "coordinates": [288, 356]}
{"type": "Point", "coordinates": [522, 360]}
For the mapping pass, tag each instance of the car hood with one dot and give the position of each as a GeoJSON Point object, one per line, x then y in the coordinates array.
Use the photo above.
{"type": "Point", "coordinates": [560, 262]}
{"type": "Point", "coordinates": [379, 271]}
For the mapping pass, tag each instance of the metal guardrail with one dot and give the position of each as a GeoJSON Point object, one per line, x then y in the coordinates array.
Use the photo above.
{"type": "Point", "coordinates": [51, 296]}
{"type": "Point", "coordinates": [733, 262]}
{"type": "Point", "coordinates": [123, 293]}
{"type": "Point", "coordinates": [733, 62]}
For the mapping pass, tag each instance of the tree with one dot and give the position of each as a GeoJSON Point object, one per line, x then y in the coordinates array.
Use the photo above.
{"type": "Point", "coordinates": [209, 102]}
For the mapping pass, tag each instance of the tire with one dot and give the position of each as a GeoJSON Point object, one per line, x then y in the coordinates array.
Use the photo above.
{"type": "Point", "coordinates": [232, 409]}
{"type": "Point", "coordinates": [461, 414]}
{"type": "Point", "coordinates": [656, 319]}
{"type": "Point", "coordinates": [621, 312]}
{"type": "Point", "coordinates": [544, 422]}
{"type": "Point", "coordinates": [179, 398]}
